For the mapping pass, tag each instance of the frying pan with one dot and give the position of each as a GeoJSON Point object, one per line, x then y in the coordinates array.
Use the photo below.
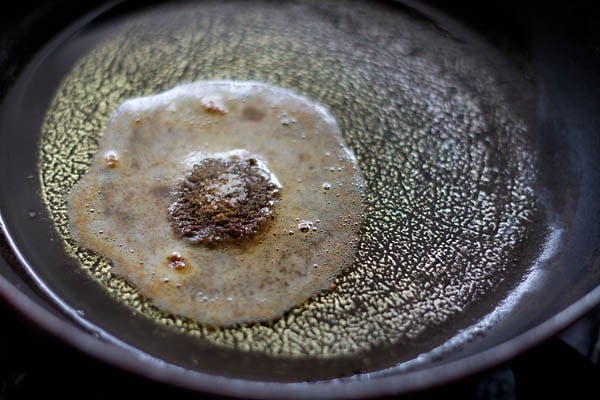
{"type": "Point", "coordinates": [560, 281]}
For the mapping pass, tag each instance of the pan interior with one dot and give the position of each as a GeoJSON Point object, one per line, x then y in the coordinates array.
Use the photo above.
{"type": "Point", "coordinates": [438, 120]}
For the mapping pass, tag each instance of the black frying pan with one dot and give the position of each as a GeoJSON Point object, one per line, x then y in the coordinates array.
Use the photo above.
{"type": "Point", "coordinates": [564, 64]}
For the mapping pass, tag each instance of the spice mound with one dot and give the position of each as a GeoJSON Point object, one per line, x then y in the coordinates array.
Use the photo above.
{"type": "Point", "coordinates": [224, 198]}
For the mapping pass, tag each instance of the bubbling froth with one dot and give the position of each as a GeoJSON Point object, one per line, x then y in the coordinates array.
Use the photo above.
{"type": "Point", "coordinates": [210, 232]}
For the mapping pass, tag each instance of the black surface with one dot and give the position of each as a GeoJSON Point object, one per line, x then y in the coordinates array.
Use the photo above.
{"type": "Point", "coordinates": [34, 365]}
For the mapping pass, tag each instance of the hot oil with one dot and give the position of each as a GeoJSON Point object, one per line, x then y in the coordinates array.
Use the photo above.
{"type": "Point", "coordinates": [438, 124]}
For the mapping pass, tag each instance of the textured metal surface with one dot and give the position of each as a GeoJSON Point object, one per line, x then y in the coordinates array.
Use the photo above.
{"type": "Point", "coordinates": [438, 126]}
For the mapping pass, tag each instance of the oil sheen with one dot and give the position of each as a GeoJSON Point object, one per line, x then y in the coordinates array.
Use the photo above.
{"type": "Point", "coordinates": [436, 118]}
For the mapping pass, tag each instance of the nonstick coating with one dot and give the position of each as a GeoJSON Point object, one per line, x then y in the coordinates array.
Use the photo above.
{"type": "Point", "coordinates": [567, 285]}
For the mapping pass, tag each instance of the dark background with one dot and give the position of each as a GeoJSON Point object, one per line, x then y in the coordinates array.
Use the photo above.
{"type": "Point", "coordinates": [34, 365]}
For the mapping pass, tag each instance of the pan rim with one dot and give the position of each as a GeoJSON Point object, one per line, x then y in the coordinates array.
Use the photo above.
{"type": "Point", "coordinates": [399, 383]}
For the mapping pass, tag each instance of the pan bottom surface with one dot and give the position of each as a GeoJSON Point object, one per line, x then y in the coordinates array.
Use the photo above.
{"type": "Point", "coordinates": [439, 121]}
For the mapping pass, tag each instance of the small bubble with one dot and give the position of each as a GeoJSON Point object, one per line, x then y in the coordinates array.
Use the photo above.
{"type": "Point", "coordinates": [176, 261]}
{"type": "Point", "coordinates": [214, 106]}
{"type": "Point", "coordinates": [305, 226]}
{"type": "Point", "coordinates": [166, 280]}
{"type": "Point", "coordinates": [32, 214]}
{"type": "Point", "coordinates": [326, 185]}
{"type": "Point", "coordinates": [290, 233]}
{"type": "Point", "coordinates": [111, 158]}
{"type": "Point", "coordinates": [100, 231]}
{"type": "Point", "coordinates": [315, 265]}
{"type": "Point", "coordinates": [286, 120]}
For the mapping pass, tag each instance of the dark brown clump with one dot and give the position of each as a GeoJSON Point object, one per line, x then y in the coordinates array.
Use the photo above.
{"type": "Point", "coordinates": [223, 199]}
{"type": "Point", "coordinates": [252, 114]}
